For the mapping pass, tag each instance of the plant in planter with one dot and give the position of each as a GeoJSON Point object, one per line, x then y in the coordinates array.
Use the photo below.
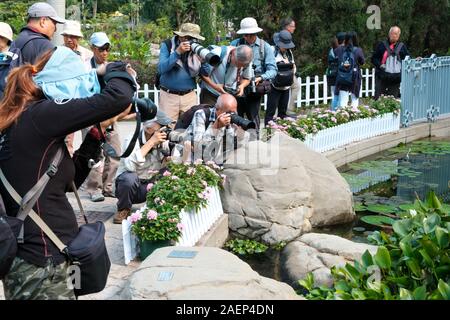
{"type": "Point", "coordinates": [178, 187]}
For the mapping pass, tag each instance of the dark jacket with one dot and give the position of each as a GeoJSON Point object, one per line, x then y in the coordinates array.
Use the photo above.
{"type": "Point", "coordinates": [27, 148]}
{"type": "Point", "coordinates": [377, 56]}
{"type": "Point", "coordinates": [360, 60]}
{"type": "Point", "coordinates": [34, 48]}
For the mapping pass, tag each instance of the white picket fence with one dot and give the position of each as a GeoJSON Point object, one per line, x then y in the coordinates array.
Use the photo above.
{"type": "Point", "coordinates": [312, 90]}
{"type": "Point", "coordinates": [332, 138]}
{"type": "Point", "coordinates": [196, 224]}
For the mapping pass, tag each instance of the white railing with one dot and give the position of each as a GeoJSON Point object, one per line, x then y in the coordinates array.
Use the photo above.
{"type": "Point", "coordinates": [312, 90]}
{"type": "Point", "coordinates": [196, 224]}
{"type": "Point", "coordinates": [332, 138]}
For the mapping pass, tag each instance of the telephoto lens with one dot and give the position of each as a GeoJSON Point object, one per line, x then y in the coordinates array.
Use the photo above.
{"type": "Point", "coordinates": [241, 122]}
{"type": "Point", "coordinates": [205, 54]}
{"type": "Point", "coordinates": [146, 107]}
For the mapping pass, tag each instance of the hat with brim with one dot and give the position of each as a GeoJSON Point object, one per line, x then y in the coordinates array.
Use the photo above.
{"type": "Point", "coordinates": [72, 28]}
{"type": "Point", "coordinates": [42, 9]}
{"type": "Point", "coordinates": [283, 40]}
{"type": "Point", "coordinates": [189, 30]}
{"type": "Point", "coordinates": [99, 39]}
{"type": "Point", "coordinates": [249, 26]}
{"type": "Point", "coordinates": [161, 118]}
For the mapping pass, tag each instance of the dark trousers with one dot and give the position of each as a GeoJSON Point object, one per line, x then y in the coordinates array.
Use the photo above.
{"type": "Point", "coordinates": [207, 97]}
{"type": "Point", "coordinates": [130, 190]}
{"type": "Point", "coordinates": [277, 99]}
{"type": "Point", "coordinates": [249, 107]}
{"type": "Point", "coordinates": [383, 87]}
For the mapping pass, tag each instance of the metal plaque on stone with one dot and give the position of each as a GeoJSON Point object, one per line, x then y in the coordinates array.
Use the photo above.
{"type": "Point", "coordinates": [181, 254]}
{"type": "Point", "coordinates": [165, 276]}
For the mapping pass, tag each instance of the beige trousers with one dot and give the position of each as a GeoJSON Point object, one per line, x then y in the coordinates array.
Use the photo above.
{"type": "Point", "coordinates": [174, 105]}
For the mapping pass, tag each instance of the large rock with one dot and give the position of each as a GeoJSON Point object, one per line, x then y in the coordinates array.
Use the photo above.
{"type": "Point", "coordinates": [285, 186]}
{"type": "Point", "coordinates": [213, 274]}
{"type": "Point", "coordinates": [317, 253]}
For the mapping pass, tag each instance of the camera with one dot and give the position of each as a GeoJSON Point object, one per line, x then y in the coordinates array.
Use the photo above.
{"type": "Point", "coordinates": [205, 54]}
{"type": "Point", "coordinates": [241, 122]}
{"type": "Point", "coordinates": [231, 91]}
{"type": "Point", "coordinates": [146, 107]}
{"type": "Point", "coordinates": [252, 85]}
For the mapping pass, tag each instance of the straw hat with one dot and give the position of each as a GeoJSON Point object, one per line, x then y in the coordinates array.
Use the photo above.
{"type": "Point", "coordinates": [189, 30]}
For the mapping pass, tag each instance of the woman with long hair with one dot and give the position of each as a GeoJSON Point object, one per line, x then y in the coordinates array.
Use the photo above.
{"type": "Point", "coordinates": [32, 130]}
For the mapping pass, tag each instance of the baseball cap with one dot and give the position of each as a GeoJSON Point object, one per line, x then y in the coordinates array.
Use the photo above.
{"type": "Point", "coordinates": [161, 118]}
{"type": "Point", "coordinates": [99, 39]}
{"type": "Point", "coordinates": [42, 9]}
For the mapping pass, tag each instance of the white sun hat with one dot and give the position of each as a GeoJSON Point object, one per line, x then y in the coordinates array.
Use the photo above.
{"type": "Point", "coordinates": [6, 31]}
{"type": "Point", "coordinates": [72, 28]}
{"type": "Point", "coordinates": [249, 26]}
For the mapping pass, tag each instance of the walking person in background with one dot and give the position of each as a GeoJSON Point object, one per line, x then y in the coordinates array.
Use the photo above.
{"type": "Point", "coordinates": [387, 59]}
{"type": "Point", "coordinates": [333, 65]}
{"type": "Point", "coordinates": [99, 183]}
{"type": "Point", "coordinates": [349, 79]}
{"type": "Point", "coordinates": [278, 97]}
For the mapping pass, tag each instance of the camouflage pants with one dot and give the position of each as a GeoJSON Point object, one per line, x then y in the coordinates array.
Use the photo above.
{"type": "Point", "coordinates": [26, 281]}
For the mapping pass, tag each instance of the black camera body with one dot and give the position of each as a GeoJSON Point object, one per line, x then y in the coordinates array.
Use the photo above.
{"type": "Point", "coordinates": [146, 107]}
{"type": "Point", "coordinates": [241, 122]}
{"type": "Point", "coordinates": [231, 91]}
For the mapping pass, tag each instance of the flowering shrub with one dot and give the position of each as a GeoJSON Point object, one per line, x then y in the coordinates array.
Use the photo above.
{"type": "Point", "coordinates": [320, 119]}
{"type": "Point", "coordinates": [179, 187]}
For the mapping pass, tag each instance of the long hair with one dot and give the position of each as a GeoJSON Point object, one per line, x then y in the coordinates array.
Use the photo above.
{"type": "Point", "coordinates": [20, 91]}
{"type": "Point", "coordinates": [351, 39]}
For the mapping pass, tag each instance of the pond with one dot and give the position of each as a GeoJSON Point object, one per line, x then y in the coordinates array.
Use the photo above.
{"type": "Point", "coordinates": [390, 180]}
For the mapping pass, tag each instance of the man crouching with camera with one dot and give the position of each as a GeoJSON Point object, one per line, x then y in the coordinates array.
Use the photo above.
{"type": "Point", "coordinates": [136, 170]}
{"type": "Point", "coordinates": [212, 130]}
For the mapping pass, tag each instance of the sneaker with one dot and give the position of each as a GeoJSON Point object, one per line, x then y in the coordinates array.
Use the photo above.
{"type": "Point", "coordinates": [121, 215]}
{"type": "Point", "coordinates": [108, 194]}
{"type": "Point", "coordinates": [97, 197]}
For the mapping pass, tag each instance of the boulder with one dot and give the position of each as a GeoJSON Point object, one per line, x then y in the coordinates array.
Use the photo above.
{"type": "Point", "coordinates": [317, 253]}
{"type": "Point", "coordinates": [213, 274]}
{"type": "Point", "coordinates": [285, 186]}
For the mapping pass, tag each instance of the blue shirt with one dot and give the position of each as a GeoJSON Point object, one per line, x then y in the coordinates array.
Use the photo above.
{"type": "Point", "coordinates": [173, 76]}
{"type": "Point", "coordinates": [266, 69]}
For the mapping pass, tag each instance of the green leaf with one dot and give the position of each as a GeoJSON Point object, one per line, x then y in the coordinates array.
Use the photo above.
{"type": "Point", "coordinates": [442, 271]}
{"type": "Point", "coordinates": [342, 285]}
{"type": "Point", "coordinates": [381, 208]}
{"type": "Point", "coordinates": [378, 221]}
{"type": "Point", "coordinates": [431, 222]}
{"type": "Point", "coordinates": [431, 248]}
{"type": "Point", "coordinates": [442, 237]}
{"type": "Point", "coordinates": [444, 289]}
{"type": "Point", "coordinates": [386, 292]}
{"type": "Point", "coordinates": [405, 245]}
{"type": "Point", "coordinates": [353, 274]}
{"type": "Point", "coordinates": [366, 259]}
{"type": "Point", "coordinates": [403, 227]}
{"type": "Point", "coordinates": [382, 258]}
{"type": "Point", "coordinates": [426, 258]}
{"type": "Point", "coordinates": [360, 207]}
{"type": "Point", "coordinates": [406, 207]}
{"type": "Point", "coordinates": [420, 293]}
{"type": "Point", "coordinates": [358, 294]}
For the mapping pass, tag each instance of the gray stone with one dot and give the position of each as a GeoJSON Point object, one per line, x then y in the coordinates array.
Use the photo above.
{"type": "Point", "coordinates": [258, 224]}
{"type": "Point", "coordinates": [214, 274]}
{"type": "Point", "coordinates": [284, 183]}
{"type": "Point", "coordinates": [236, 221]}
{"type": "Point", "coordinates": [318, 253]}
{"type": "Point", "coordinates": [252, 233]}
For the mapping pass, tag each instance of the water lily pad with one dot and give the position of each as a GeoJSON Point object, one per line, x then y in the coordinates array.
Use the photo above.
{"type": "Point", "coordinates": [378, 221]}
{"type": "Point", "coordinates": [381, 208]}
{"type": "Point", "coordinates": [360, 207]}
{"type": "Point", "coordinates": [407, 207]}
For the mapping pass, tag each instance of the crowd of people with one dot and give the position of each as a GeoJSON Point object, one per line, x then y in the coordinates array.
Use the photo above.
{"type": "Point", "coordinates": [54, 92]}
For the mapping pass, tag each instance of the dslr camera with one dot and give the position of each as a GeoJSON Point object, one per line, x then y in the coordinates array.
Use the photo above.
{"type": "Point", "coordinates": [205, 54]}
{"type": "Point", "coordinates": [146, 107]}
{"type": "Point", "coordinates": [241, 122]}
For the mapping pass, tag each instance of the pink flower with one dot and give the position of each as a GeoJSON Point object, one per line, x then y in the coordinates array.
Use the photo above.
{"type": "Point", "coordinates": [167, 173]}
{"type": "Point", "coordinates": [334, 119]}
{"type": "Point", "coordinates": [180, 226]}
{"type": "Point", "coordinates": [135, 217]}
{"type": "Point", "coordinates": [198, 162]}
{"type": "Point", "coordinates": [150, 186]}
{"type": "Point", "coordinates": [204, 183]}
{"type": "Point", "coordinates": [152, 215]}
{"type": "Point", "coordinates": [190, 171]}
{"type": "Point", "coordinates": [175, 178]}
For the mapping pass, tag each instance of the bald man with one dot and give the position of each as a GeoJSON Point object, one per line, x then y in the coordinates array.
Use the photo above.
{"type": "Point", "coordinates": [387, 83]}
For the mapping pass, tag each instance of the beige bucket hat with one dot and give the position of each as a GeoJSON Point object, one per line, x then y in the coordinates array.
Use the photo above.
{"type": "Point", "coordinates": [189, 30]}
{"type": "Point", "coordinates": [72, 28]}
{"type": "Point", "coordinates": [6, 31]}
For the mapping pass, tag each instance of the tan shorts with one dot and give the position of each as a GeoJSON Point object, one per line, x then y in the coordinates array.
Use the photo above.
{"type": "Point", "coordinates": [174, 105]}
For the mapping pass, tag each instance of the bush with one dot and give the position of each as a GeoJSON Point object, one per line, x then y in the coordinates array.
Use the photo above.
{"type": "Point", "coordinates": [411, 264]}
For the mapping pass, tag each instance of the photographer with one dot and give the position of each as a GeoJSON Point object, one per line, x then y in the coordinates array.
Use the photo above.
{"type": "Point", "coordinates": [177, 71]}
{"type": "Point", "coordinates": [32, 129]}
{"type": "Point", "coordinates": [135, 171]}
{"type": "Point", "coordinates": [232, 75]}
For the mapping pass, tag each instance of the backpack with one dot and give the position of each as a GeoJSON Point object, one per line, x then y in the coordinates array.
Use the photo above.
{"type": "Point", "coordinates": [333, 65]}
{"type": "Point", "coordinates": [393, 68]}
{"type": "Point", "coordinates": [157, 79]}
{"type": "Point", "coordinates": [347, 68]}
{"type": "Point", "coordinates": [285, 74]}
{"type": "Point", "coordinates": [186, 118]}
{"type": "Point", "coordinates": [12, 59]}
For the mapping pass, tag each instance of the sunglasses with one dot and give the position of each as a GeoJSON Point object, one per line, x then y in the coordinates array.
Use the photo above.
{"type": "Point", "coordinates": [102, 49]}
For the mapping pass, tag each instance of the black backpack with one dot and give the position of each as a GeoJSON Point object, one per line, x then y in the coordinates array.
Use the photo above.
{"type": "Point", "coordinates": [157, 78]}
{"type": "Point", "coordinates": [186, 118]}
{"type": "Point", "coordinates": [285, 74]}
{"type": "Point", "coordinates": [13, 58]}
